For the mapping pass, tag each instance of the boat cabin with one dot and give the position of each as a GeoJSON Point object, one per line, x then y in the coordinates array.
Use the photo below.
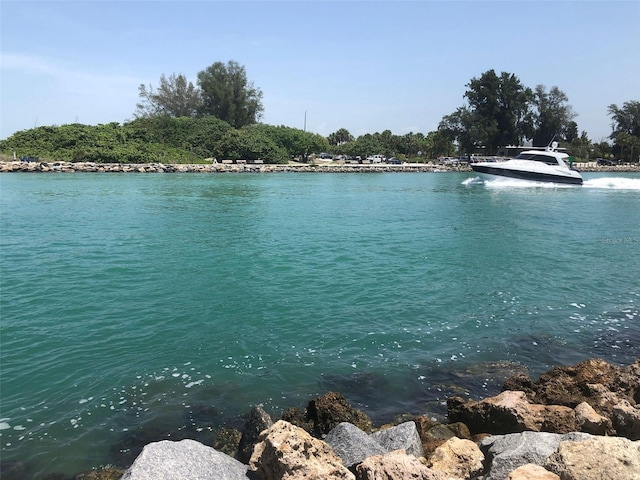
{"type": "Point", "coordinates": [539, 157]}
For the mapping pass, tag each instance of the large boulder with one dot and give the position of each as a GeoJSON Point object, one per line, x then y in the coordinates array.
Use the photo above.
{"type": "Point", "coordinates": [510, 412]}
{"type": "Point", "coordinates": [187, 460]}
{"type": "Point", "coordinates": [594, 381]}
{"type": "Point", "coordinates": [590, 421]}
{"type": "Point", "coordinates": [287, 452]}
{"type": "Point", "coordinates": [605, 387]}
{"type": "Point", "coordinates": [505, 453]}
{"type": "Point", "coordinates": [626, 419]}
{"type": "Point", "coordinates": [566, 385]}
{"type": "Point", "coordinates": [353, 445]}
{"type": "Point", "coordinates": [257, 422]}
{"type": "Point", "coordinates": [396, 465]}
{"type": "Point", "coordinates": [331, 409]}
{"type": "Point", "coordinates": [401, 437]}
{"type": "Point", "coordinates": [458, 458]}
{"type": "Point", "coordinates": [607, 458]}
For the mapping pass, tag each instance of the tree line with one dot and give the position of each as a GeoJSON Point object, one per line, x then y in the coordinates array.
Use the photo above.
{"type": "Point", "coordinates": [219, 117]}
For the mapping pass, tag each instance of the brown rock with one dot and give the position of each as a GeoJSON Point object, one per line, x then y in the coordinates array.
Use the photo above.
{"type": "Point", "coordinates": [626, 419]}
{"type": "Point", "coordinates": [396, 465]}
{"type": "Point", "coordinates": [287, 452]}
{"type": "Point", "coordinates": [458, 458]}
{"type": "Point", "coordinates": [434, 437]}
{"type": "Point", "coordinates": [592, 381]}
{"type": "Point", "coordinates": [431, 439]}
{"type": "Point", "coordinates": [257, 422]}
{"type": "Point", "coordinates": [331, 409]}
{"type": "Point", "coordinates": [603, 458]}
{"type": "Point", "coordinates": [510, 412]}
{"type": "Point", "coordinates": [532, 472]}
{"type": "Point", "coordinates": [589, 421]}
{"type": "Point", "coordinates": [460, 430]}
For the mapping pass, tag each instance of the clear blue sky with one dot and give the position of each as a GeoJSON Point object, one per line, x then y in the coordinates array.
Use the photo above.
{"type": "Point", "coordinates": [360, 65]}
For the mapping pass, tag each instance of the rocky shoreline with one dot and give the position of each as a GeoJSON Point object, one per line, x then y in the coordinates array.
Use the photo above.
{"type": "Point", "coordinates": [242, 167]}
{"type": "Point", "coordinates": [579, 422]}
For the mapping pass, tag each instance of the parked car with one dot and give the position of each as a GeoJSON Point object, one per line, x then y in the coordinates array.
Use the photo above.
{"type": "Point", "coordinates": [394, 161]}
{"type": "Point", "coordinates": [604, 161]}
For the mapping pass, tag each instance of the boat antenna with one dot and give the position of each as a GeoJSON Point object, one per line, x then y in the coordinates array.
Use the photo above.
{"type": "Point", "coordinates": [552, 144]}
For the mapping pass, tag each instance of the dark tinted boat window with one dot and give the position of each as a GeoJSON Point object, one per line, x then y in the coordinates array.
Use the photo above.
{"type": "Point", "coordinates": [538, 158]}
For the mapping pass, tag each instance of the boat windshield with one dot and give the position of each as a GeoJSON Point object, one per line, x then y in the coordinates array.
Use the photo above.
{"type": "Point", "coordinates": [538, 157]}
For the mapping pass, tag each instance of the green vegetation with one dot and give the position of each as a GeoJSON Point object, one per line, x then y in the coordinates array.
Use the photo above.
{"type": "Point", "coordinates": [183, 123]}
{"type": "Point", "coordinates": [164, 140]}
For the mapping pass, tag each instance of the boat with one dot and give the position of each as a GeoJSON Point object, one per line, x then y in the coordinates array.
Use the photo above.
{"type": "Point", "coordinates": [549, 166]}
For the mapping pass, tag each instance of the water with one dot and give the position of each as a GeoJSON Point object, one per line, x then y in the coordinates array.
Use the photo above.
{"type": "Point", "coordinates": [141, 307]}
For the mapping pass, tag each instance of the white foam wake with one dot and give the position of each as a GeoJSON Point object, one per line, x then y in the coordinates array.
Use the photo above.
{"type": "Point", "coordinates": [614, 183]}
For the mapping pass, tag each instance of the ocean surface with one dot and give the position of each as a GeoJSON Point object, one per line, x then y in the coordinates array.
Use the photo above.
{"type": "Point", "coordinates": [140, 307]}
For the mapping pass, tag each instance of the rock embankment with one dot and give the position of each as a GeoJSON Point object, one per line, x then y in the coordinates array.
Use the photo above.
{"type": "Point", "coordinates": [242, 167]}
{"type": "Point", "coordinates": [559, 427]}
{"type": "Point", "coordinates": [71, 167]}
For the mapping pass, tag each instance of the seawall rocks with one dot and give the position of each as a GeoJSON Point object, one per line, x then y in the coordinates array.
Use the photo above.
{"type": "Point", "coordinates": [70, 167]}
{"type": "Point", "coordinates": [546, 445]}
{"type": "Point", "coordinates": [225, 167]}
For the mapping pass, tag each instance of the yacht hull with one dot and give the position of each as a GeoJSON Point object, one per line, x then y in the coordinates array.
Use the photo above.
{"type": "Point", "coordinates": [496, 172]}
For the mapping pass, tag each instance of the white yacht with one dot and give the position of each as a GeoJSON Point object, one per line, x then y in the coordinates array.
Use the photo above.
{"type": "Point", "coordinates": [548, 166]}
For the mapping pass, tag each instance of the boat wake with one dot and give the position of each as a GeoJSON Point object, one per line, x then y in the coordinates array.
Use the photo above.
{"type": "Point", "coordinates": [611, 183]}
{"type": "Point", "coordinates": [506, 182]}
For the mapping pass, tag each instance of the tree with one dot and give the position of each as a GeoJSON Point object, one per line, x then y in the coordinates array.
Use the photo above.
{"type": "Point", "coordinates": [228, 95]}
{"type": "Point", "coordinates": [175, 97]}
{"type": "Point", "coordinates": [462, 127]}
{"type": "Point", "coordinates": [339, 137]}
{"type": "Point", "coordinates": [500, 109]}
{"type": "Point", "coordinates": [625, 124]}
{"type": "Point", "coordinates": [251, 143]}
{"type": "Point", "coordinates": [552, 117]}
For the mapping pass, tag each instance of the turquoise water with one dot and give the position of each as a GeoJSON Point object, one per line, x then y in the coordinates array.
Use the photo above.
{"type": "Point", "coordinates": [137, 307]}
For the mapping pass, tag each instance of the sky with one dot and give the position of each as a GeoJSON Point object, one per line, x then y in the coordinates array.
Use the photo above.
{"type": "Point", "coordinates": [367, 66]}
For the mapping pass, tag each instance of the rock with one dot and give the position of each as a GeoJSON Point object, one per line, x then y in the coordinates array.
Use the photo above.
{"type": "Point", "coordinates": [460, 430]}
{"type": "Point", "coordinates": [435, 437]}
{"type": "Point", "coordinates": [353, 445]}
{"type": "Point", "coordinates": [226, 440]}
{"type": "Point", "coordinates": [606, 458]}
{"type": "Point", "coordinates": [257, 422]}
{"type": "Point", "coordinates": [287, 452]}
{"type": "Point", "coordinates": [510, 412]}
{"type": "Point", "coordinates": [401, 437]}
{"type": "Point", "coordinates": [13, 470]}
{"type": "Point", "coordinates": [626, 419]}
{"type": "Point", "coordinates": [594, 381]}
{"type": "Point", "coordinates": [589, 421]}
{"type": "Point", "coordinates": [297, 417]}
{"type": "Point", "coordinates": [396, 465]}
{"type": "Point", "coordinates": [187, 460]}
{"type": "Point", "coordinates": [458, 458]}
{"type": "Point", "coordinates": [505, 453]}
{"type": "Point", "coordinates": [102, 473]}
{"type": "Point", "coordinates": [429, 444]}
{"type": "Point", "coordinates": [331, 409]}
{"type": "Point", "coordinates": [532, 472]}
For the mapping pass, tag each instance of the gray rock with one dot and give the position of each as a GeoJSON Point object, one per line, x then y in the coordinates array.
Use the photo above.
{"type": "Point", "coordinates": [186, 460]}
{"type": "Point", "coordinates": [508, 452]}
{"type": "Point", "coordinates": [401, 437]}
{"type": "Point", "coordinates": [352, 445]}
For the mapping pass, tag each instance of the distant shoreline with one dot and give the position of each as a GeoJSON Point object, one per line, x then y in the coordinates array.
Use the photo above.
{"type": "Point", "coordinates": [225, 167]}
